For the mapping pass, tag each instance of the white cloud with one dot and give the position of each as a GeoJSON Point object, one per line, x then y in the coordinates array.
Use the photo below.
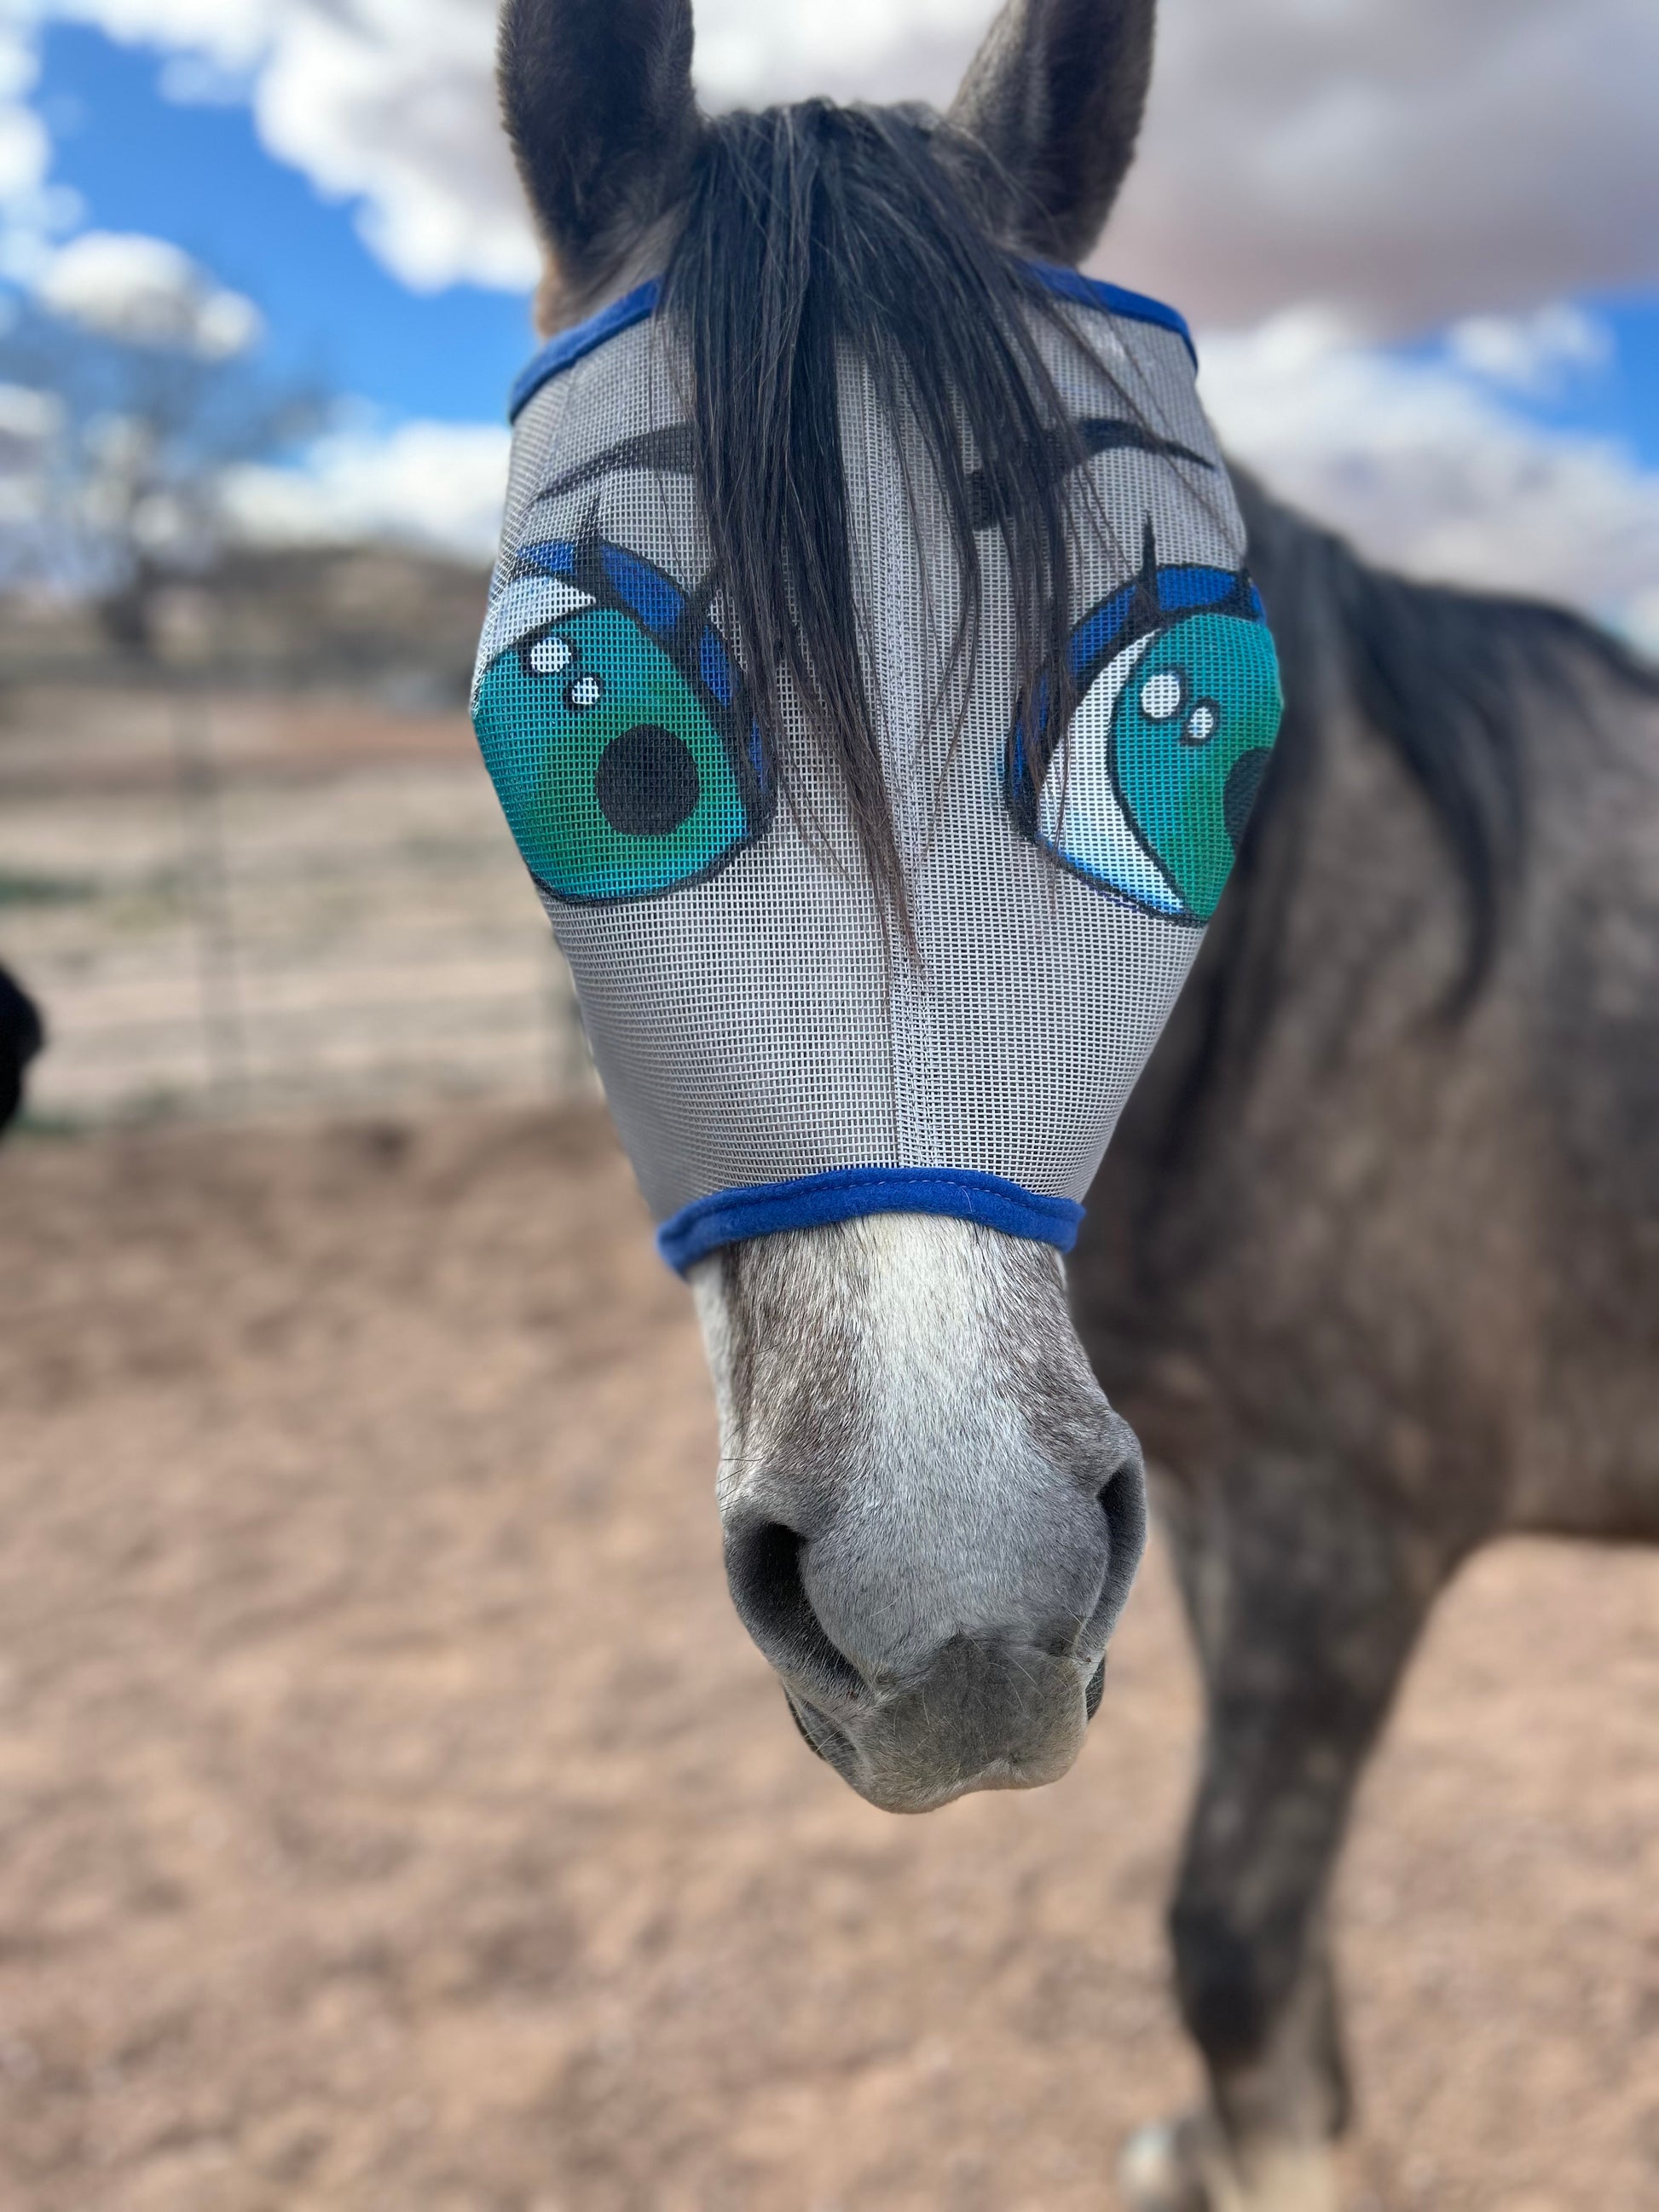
{"type": "Point", "coordinates": [1431, 471]}
{"type": "Point", "coordinates": [234, 30]}
{"type": "Point", "coordinates": [390, 103]}
{"type": "Point", "coordinates": [23, 150]}
{"type": "Point", "coordinates": [1337, 171]}
{"type": "Point", "coordinates": [1407, 160]}
{"type": "Point", "coordinates": [1538, 354]}
{"type": "Point", "coordinates": [30, 210]}
{"type": "Point", "coordinates": [749, 51]}
{"type": "Point", "coordinates": [123, 284]}
{"type": "Point", "coordinates": [439, 485]}
{"type": "Point", "coordinates": [28, 418]}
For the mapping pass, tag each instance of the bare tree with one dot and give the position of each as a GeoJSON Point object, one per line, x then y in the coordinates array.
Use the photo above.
{"type": "Point", "coordinates": [120, 414]}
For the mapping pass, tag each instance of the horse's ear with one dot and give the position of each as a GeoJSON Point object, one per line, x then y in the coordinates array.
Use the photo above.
{"type": "Point", "coordinates": [596, 98]}
{"type": "Point", "coordinates": [1055, 99]}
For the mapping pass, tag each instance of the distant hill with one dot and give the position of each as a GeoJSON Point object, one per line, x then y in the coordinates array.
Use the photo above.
{"type": "Point", "coordinates": [404, 625]}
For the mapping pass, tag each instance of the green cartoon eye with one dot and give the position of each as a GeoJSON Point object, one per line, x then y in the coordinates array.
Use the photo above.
{"type": "Point", "coordinates": [613, 777]}
{"type": "Point", "coordinates": [1191, 732]}
{"type": "Point", "coordinates": [1149, 791]}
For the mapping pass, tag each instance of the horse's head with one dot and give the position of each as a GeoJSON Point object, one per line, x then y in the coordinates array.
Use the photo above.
{"type": "Point", "coordinates": [875, 693]}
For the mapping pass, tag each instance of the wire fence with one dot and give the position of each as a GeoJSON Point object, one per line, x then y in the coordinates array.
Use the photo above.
{"type": "Point", "coordinates": [246, 905]}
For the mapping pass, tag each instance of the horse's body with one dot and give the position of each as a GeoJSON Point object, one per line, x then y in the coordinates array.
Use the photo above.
{"type": "Point", "coordinates": [1373, 1265]}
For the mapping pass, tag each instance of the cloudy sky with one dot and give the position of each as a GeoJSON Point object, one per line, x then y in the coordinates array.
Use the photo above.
{"type": "Point", "coordinates": [1420, 239]}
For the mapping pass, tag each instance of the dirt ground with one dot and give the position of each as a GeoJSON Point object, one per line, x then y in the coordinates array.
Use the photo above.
{"type": "Point", "coordinates": [393, 1817]}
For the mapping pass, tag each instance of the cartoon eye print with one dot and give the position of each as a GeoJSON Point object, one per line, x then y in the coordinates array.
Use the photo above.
{"type": "Point", "coordinates": [612, 723]}
{"type": "Point", "coordinates": [1148, 792]}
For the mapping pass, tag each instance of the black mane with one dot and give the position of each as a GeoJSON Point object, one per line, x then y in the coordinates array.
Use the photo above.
{"type": "Point", "coordinates": [816, 231]}
{"type": "Point", "coordinates": [1448, 680]}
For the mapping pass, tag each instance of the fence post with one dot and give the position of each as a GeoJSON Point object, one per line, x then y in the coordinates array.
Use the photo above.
{"type": "Point", "coordinates": [218, 968]}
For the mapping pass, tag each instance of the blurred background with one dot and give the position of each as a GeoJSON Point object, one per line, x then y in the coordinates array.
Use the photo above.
{"type": "Point", "coordinates": [393, 1817]}
{"type": "Point", "coordinates": [262, 285]}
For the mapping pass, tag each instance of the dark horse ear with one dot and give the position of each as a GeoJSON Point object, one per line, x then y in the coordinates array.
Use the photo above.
{"type": "Point", "coordinates": [1055, 99]}
{"type": "Point", "coordinates": [596, 98]}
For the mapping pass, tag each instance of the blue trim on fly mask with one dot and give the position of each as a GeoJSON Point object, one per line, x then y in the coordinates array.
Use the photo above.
{"type": "Point", "coordinates": [1183, 590]}
{"type": "Point", "coordinates": [1112, 300]}
{"type": "Point", "coordinates": [572, 345]}
{"type": "Point", "coordinates": [568, 347]}
{"type": "Point", "coordinates": [762, 1209]}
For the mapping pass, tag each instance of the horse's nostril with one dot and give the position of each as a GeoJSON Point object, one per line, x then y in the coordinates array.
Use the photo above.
{"type": "Point", "coordinates": [763, 1566]}
{"type": "Point", "coordinates": [1121, 1500]}
{"type": "Point", "coordinates": [1096, 1691]}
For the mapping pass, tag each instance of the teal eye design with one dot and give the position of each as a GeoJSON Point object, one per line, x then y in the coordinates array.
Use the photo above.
{"type": "Point", "coordinates": [611, 721]}
{"type": "Point", "coordinates": [1148, 793]}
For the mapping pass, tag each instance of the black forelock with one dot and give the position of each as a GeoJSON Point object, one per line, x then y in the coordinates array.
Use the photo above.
{"type": "Point", "coordinates": [814, 233]}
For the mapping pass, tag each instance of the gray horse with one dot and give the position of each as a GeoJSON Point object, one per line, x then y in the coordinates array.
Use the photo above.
{"type": "Point", "coordinates": [1373, 1265]}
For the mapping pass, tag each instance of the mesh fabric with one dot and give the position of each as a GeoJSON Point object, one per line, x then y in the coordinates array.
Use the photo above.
{"type": "Point", "coordinates": [754, 1022]}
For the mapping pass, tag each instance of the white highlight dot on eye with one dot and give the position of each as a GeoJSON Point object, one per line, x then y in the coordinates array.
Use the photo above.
{"type": "Point", "coordinates": [551, 656]}
{"type": "Point", "coordinates": [586, 691]}
{"type": "Point", "coordinates": [1161, 695]}
{"type": "Point", "coordinates": [1201, 725]}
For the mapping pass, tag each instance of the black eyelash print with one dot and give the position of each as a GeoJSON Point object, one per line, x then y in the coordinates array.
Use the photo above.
{"type": "Point", "coordinates": [1148, 603]}
{"type": "Point", "coordinates": [694, 616]}
{"type": "Point", "coordinates": [588, 572]}
{"type": "Point", "coordinates": [1094, 434]}
{"type": "Point", "coordinates": [670, 451]}
{"type": "Point", "coordinates": [1149, 612]}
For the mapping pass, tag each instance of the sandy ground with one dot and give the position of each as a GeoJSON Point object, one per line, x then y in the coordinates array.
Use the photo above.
{"type": "Point", "coordinates": [393, 1817]}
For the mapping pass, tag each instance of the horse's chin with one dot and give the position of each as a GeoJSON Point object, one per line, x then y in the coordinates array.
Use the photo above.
{"type": "Point", "coordinates": [907, 1779]}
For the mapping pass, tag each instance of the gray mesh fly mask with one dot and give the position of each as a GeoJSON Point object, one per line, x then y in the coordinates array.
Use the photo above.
{"type": "Point", "coordinates": [773, 1055]}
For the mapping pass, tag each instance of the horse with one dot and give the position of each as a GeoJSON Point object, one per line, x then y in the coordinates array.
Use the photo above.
{"type": "Point", "coordinates": [22, 1036]}
{"type": "Point", "coordinates": [1372, 1267]}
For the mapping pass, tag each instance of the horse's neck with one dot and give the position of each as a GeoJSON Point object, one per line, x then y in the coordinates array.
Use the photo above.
{"type": "Point", "coordinates": [1341, 935]}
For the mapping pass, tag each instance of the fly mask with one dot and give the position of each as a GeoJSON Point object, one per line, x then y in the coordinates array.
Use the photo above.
{"type": "Point", "coordinates": [775, 1051]}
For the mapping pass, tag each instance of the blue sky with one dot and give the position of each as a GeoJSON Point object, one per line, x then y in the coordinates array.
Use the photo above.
{"type": "Point", "coordinates": [1617, 399]}
{"type": "Point", "coordinates": [1621, 401]}
{"type": "Point", "coordinates": [1305, 178]}
{"type": "Point", "coordinates": [197, 175]}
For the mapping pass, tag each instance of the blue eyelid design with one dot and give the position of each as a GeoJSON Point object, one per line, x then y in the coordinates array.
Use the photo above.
{"type": "Point", "coordinates": [615, 725]}
{"type": "Point", "coordinates": [1177, 705]}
